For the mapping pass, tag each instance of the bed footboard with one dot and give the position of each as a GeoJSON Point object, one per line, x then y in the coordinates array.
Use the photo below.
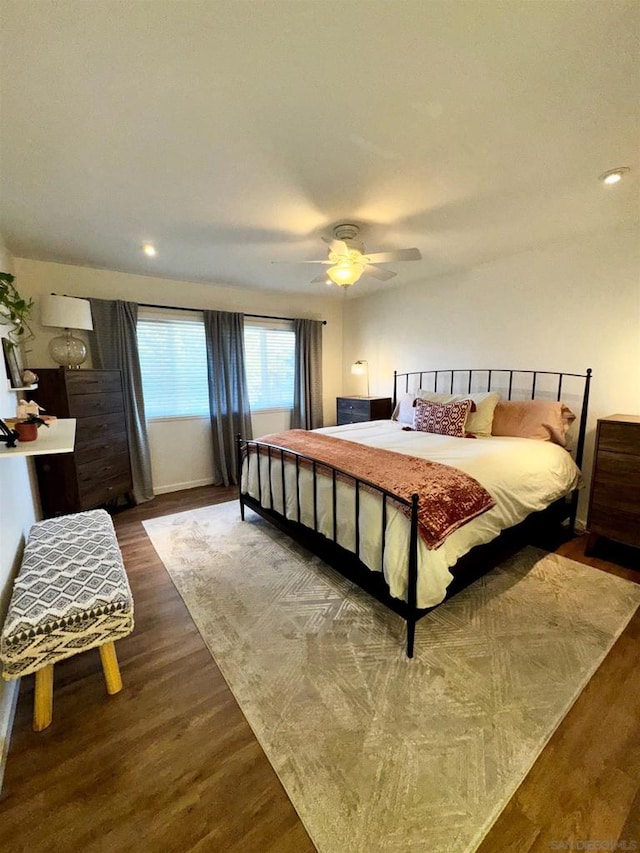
{"type": "Point", "coordinates": [288, 488]}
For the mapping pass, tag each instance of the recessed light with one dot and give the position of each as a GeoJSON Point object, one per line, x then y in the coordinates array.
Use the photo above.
{"type": "Point", "coordinates": [614, 175]}
{"type": "Point", "coordinates": [149, 249]}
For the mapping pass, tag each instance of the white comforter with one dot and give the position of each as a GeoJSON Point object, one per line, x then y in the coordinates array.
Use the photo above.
{"type": "Point", "coordinates": [522, 476]}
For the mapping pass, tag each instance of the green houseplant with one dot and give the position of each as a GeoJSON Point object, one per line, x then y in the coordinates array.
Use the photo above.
{"type": "Point", "coordinates": [14, 310]}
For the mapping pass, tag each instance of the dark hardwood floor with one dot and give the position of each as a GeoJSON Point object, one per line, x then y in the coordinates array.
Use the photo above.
{"type": "Point", "coordinates": [170, 764]}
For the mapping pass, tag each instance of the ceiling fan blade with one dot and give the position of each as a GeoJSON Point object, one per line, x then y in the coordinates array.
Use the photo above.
{"type": "Point", "coordinates": [399, 255]}
{"type": "Point", "coordinates": [377, 272]}
{"type": "Point", "coordinates": [337, 246]}
{"type": "Point", "coordinates": [321, 279]}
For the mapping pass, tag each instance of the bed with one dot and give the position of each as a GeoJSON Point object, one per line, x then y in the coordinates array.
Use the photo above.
{"type": "Point", "coordinates": [374, 533]}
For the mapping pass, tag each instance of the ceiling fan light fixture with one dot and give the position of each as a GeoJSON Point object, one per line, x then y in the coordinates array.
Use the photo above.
{"type": "Point", "coordinates": [345, 273]}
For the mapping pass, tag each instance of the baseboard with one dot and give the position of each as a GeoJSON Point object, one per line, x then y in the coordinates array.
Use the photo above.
{"type": "Point", "coordinates": [178, 487]}
{"type": "Point", "coordinates": [8, 702]}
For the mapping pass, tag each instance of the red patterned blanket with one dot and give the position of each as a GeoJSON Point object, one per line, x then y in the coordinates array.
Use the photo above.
{"type": "Point", "coordinates": [448, 497]}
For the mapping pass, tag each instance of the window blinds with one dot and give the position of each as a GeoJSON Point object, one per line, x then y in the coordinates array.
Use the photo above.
{"type": "Point", "coordinates": [269, 362]}
{"type": "Point", "coordinates": [173, 361]}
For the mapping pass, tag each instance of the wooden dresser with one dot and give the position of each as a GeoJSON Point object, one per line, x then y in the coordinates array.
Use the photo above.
{"type": "Point", "coordinates": [614, 505]}
{"type": "Point", "coordinates": [99, 469]}
{"type": "Point", "coordinates": [354, 410]}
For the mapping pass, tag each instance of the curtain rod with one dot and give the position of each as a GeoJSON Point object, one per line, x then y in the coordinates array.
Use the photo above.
{"type": "Point", "coordinates": [261, 316]}
{"type": "Point", "coordinates": [200, 310]}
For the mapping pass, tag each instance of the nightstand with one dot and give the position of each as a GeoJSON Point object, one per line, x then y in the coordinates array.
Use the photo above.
{"type": "Point", "coordinates": [614, 504]}
{"type": "Point", "coordinates": [356, 410]}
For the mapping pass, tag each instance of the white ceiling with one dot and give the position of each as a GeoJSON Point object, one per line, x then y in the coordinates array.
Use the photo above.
{"type": "Point", "coordinates": [232, 133]}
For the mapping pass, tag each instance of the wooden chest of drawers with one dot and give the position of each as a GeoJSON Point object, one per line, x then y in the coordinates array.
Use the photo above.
{"type": "Point", "coordinates": [614, 505]}
{"type": "Point", "coordinates": [353, 410]}
{"type": "Point", "coordinates": [99, 469]}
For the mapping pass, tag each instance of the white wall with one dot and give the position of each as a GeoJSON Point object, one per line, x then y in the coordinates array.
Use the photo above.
{"type": "Point", "coordinates": [17, 514]}
{"type": "Point", "coordinates": [181, 449]}
{"type": "Point", "coordinates": [562, 307]}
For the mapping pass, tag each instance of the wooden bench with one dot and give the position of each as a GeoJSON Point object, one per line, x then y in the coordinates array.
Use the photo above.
{"type": "Point", "coordinates": [71, 594]}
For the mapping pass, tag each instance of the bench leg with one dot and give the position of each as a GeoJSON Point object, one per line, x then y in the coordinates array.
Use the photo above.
{"type": "Point", "coordinates": [111, 668]}
{"type": "Point", "coordinates": [43, 700]}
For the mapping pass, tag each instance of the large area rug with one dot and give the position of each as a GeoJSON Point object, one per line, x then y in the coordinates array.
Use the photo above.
{"type": "Point", "coordinates": [376, 752]}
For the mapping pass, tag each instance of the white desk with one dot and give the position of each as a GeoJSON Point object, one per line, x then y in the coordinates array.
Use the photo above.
{"type": "Point", "coordinates": [60, 437]}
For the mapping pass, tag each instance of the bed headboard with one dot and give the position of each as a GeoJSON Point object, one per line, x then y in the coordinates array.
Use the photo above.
{"type": "Point", "coordinates": [534, 384]}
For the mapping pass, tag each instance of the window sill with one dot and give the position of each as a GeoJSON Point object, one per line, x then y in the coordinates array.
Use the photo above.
{"type": "Point", "coordinates": [271, 411]}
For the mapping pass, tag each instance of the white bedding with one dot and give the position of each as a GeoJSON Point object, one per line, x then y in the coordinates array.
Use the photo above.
{"type": "Point", "coordinates": [522, 475]}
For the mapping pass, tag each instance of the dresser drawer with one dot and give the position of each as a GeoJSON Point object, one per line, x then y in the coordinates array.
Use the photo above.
{"type": "Point", "coordinates": [94, 473]}
{"type": "Point", "coordinates": [616, 481]}
{"type": "Point", "coordinates": [95, 494]}
{"type": "Point", "coordinates": [614, 507]}
{"type": "Point", "coordinates": [88, 405]}
{"type": "Point", "coordinates": [102, 448]}
{"type": "Point", "coordinates": [97, 430]}
{"type": "Point", "coordinates": [93, 381]}
{"type": "Point", "coordinates": [614, 523]}
{"type": "Point", "coordinates": [619, 438]}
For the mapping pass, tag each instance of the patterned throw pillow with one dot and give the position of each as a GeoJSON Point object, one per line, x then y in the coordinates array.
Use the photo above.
{"type": "Point", "coordinates": [442, 418]}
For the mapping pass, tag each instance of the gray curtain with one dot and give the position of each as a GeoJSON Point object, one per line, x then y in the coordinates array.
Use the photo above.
{"type": "Point", "coordinates": [307, 389]}
{"type": "Point", "coordinates": [114, 345]}
{"type": "Point", "coordinates": [228, 396]}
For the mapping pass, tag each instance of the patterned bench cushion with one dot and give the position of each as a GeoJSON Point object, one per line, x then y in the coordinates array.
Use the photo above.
{"type": "Point", "coordinates": [71, 594]}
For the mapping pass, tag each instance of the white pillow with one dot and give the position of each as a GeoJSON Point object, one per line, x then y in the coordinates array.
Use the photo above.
{"type": "Point", "coordinates": [479, 423]}
{"type": "Point", "coordinates": [404, 411]}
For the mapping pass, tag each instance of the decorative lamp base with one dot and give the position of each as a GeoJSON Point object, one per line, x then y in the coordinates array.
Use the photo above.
{"type": "Point", "coordinates": [68, 351]}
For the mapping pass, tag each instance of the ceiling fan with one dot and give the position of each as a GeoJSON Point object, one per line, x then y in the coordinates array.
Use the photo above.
{"type": "Point", "coordinates": [347, 260]}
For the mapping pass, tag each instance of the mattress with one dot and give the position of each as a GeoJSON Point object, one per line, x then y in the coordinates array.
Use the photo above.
{"type": "Point", "coordinates": [522, 475]}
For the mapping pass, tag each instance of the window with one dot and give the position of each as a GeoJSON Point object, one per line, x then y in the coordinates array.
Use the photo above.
{"type": "Point", "coordinates": [173, 361]}
{"type": "Point", "coordinates": [269, 351]}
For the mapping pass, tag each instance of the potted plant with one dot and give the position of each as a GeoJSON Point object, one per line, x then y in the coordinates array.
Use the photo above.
{"type": "Point", "coordinates": [14, 310]}
{"type": "Point", "coordinates": [27, 428]}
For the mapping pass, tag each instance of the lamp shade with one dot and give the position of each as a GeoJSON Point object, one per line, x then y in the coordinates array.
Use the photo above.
{"type": "Point", "coordinates": [65, 312]}
{"type": "Point", "coordinates": [361, 368]}
{"type": "Point", "coordinates": [345, 273]}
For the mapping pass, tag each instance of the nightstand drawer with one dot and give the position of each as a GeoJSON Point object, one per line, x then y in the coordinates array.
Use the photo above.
{"type": "Point", "coordinates": [352, 418]}
{"type": "Point", "coordinates": [359, 409]}
{"type": "Point", "coordinates": [619, 438]}
{"type": "Point", "coordinates": [350, 405]}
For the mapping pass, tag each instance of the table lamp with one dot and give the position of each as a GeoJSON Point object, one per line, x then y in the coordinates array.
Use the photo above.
{"type": "Point", "coordinates": [66, 312]}
{"type": "Point", "coordinates": [361, 368]}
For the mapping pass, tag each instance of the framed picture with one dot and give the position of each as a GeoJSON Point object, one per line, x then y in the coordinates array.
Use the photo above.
{"type": "Point", "coordinates": [13, 360]}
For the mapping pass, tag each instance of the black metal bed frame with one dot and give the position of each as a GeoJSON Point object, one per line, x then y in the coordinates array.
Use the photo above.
{"type": "Point", "coordinates": [348, 562]}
